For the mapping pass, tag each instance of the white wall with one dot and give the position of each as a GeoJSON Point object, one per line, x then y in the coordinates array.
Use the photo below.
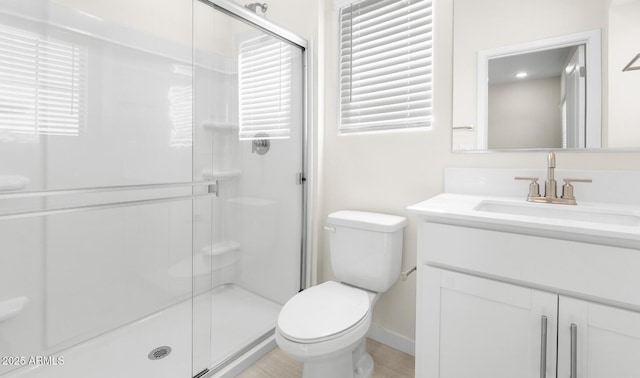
{"type": "Point", "coordinates": [385, 172]}
{"type": "Point", "coordinates": [624, 87]}
{"type": "Point", "coordinates": [525, 114]}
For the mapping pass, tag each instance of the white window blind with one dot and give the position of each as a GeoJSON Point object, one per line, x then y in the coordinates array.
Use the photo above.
{"type": "Point", "coordinates": [41, 84]}
{"type": "Point", "coordinates": [264, 75]}
{"type": "Point", "coordinates": [385, 65]}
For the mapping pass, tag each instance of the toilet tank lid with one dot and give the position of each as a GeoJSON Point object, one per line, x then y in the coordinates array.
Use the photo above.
{"type": "Point", "coordinates": [367, 221]}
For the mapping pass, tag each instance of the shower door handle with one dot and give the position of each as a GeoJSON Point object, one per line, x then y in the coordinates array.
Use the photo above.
{"type": "Point", "coordinates": [214, 188]}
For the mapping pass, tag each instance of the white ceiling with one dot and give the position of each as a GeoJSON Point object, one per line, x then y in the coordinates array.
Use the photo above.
{"type": "Point", "coordinates": [537, 65]}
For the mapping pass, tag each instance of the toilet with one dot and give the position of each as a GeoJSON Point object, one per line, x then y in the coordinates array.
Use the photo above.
{"type": "Point", "coordinates": [324, 327]}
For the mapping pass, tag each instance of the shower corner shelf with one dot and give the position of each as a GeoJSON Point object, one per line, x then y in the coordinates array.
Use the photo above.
{"type": "Point", "coordinates": [10, 308]}
{"type": "Point", "coordinates": [10, 183]}
{"type": "Point", "coordinates": [209, 174]}
{"type": "Point", "coordinates": [221, 248]}
{"type": "Point", "coordinates": [214, 125]}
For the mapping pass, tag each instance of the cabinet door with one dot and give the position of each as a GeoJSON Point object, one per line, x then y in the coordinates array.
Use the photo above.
{"type": "Point", "coordinates": [475, 327]}
{"type": "Point", "coordinates": [607, 340]}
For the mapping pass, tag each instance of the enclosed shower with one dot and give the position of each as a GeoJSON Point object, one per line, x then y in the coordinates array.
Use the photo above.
{"type": "Point", "coordinates": [152, 186]}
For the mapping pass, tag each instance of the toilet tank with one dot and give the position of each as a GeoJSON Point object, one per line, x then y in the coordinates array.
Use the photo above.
{"type": "Point", "coordinates": [366, 248]}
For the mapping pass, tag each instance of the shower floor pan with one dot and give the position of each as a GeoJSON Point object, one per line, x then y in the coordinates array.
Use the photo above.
{"type": "Point", "coordinates": [238, 318]}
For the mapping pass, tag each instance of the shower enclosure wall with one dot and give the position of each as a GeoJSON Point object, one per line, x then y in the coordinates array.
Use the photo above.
{"type": "Point", "coordinates": [152, 197]}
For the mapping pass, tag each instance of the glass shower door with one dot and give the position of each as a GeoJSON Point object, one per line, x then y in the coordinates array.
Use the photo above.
{"type": "Point", "coordinates": [96, 192]}
{"type": "Point", "coordinates": [249, 131]}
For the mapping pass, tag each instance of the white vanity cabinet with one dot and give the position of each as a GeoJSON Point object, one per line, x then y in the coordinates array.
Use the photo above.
{"type": "Point", "coordinates": [607, 340]}
{"type": "Point", "coordinates": [482, 328]}
{"type": "Point", "coordinates": [483, 294]}
{"type": "Point", "coordinates": [474, 327]}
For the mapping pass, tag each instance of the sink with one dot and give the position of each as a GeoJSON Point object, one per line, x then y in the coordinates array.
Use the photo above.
{"type": "Point", "coordinates": [560, 212]}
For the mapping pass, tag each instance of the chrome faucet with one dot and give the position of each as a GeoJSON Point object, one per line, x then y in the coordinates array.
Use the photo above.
{"type": "Point", "coordinates": [550, 186]}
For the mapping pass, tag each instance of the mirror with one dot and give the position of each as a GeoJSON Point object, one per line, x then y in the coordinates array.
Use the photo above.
{"type": "Point", "coordinates": [582, 82]}
{"type": "Point", "coordinates": [534, 95]}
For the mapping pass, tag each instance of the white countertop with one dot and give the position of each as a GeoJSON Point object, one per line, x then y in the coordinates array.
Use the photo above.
{"type": "Point", "coordinates": [591, 222]}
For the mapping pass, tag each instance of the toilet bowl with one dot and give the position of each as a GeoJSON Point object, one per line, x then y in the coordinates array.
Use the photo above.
{"type": "Point", "coordinates": [324, 327]}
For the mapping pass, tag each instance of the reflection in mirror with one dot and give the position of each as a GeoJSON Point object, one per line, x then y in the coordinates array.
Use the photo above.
{"type": "Point", "coordinates": [524, 93]}
{"type": "Point", "coordinates": [518, 23]}
{"type": "Point", "coordinates": [534, 95]}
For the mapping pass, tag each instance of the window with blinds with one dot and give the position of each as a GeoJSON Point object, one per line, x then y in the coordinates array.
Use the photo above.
{"type": "Point", "coordinates": [385, 65]}
{"type": "Point", "coordinates": [41, 84]}
{"type": "Point", "coordinates": [264, 75]}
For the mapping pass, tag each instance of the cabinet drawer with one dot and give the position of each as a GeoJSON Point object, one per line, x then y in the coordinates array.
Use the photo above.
{"type": "Point", "coordinates": [584, 270]}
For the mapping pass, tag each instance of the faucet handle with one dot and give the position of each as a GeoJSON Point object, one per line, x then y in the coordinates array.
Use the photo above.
{"type": "Point", "coordinates": [534, 187]}
{"type": "Point", "coordinates": [567, 188]}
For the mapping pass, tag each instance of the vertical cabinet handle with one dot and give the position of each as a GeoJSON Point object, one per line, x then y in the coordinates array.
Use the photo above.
{"type": "Point", "coordinates": [543, 347]}
{"type": "Point", "coordinates": [574, 351]}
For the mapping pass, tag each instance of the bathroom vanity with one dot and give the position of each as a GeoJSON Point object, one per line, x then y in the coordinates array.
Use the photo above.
{"type": "Point", "coordinates": [508, 288]}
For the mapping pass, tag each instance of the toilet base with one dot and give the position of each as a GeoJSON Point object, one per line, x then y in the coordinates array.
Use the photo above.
{"type": "Point", "coordinates": [357, 364]}
{"type": "Point", "coordinates": [364, 366]}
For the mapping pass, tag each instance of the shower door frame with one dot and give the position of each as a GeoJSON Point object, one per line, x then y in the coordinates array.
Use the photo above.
{"type": "Point", "coordinates": [245, 15]}
{"type": "Point", "coordinates": [305, 179]}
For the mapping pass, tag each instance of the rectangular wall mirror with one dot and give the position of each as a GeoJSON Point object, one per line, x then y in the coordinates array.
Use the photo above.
{"type": "Point", "coordinates": [545, 75]}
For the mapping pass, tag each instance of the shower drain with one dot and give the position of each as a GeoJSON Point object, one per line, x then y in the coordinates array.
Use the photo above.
{"type": "Point", "coordinates": [159, 353]}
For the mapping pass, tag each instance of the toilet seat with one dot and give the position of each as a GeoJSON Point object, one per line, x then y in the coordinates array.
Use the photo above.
{"type": "Point", "coordinates": [323, 312]}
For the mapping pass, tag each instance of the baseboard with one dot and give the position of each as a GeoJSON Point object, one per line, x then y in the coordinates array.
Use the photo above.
{"type": "Point", "coordinates": [392, 339]}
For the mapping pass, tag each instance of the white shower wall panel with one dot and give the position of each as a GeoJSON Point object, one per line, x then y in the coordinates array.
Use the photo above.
{"type": "Point", "coordinates": [106, 268]}
{"type": "Point", "coordinates": [270, 220]}
{"type": "Point", "coordinates": [90, 271]}
{"type": "Point", "coordinates": [135, 99]}
{"type": "Point", "coordinates": [109, 267]}
{"type": "Point", "coordinates": [138, 122]}
{"type": "Point", "coordinates": [21, 275]}
{"type": "Point", "coordinates": [269, 223]}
